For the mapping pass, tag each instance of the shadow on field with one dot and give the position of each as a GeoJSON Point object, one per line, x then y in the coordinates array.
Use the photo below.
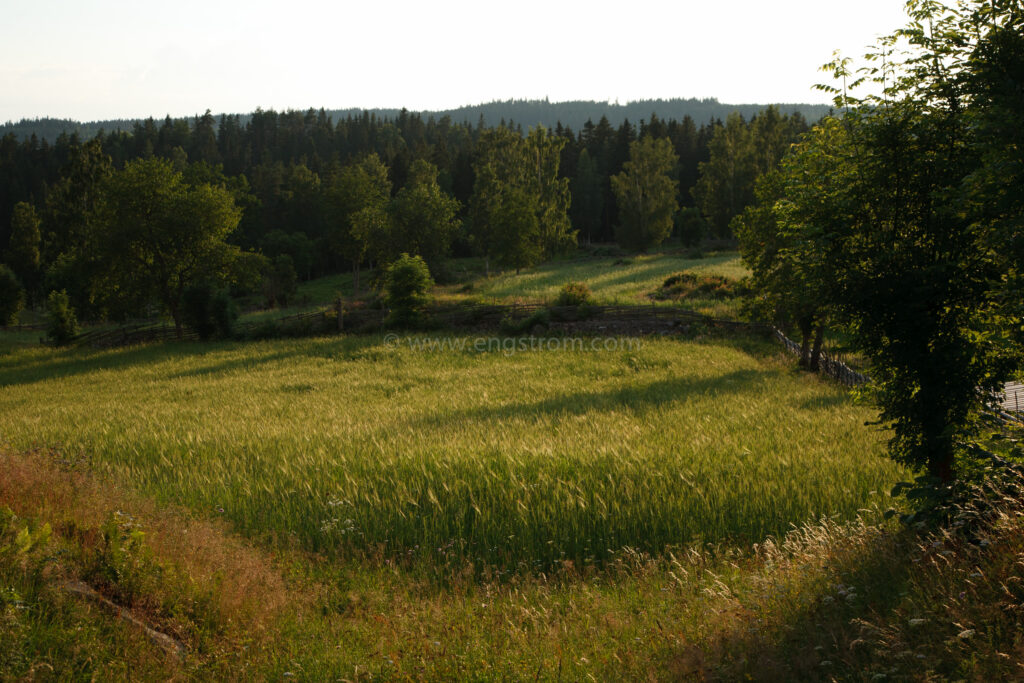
{"type": "Point", "coordinates": [638, 398]}
{"type": "Point", "coordinates": [347, 348]}
{"type": "Point", "coordinates": [17, 370]}
{"type": "Point", "coordinates": [547, 277]}
{"type": "Point", "coordinates": [58, 365]}
{"type": "Point", "coordinates": [832, 632]}
{"type": "Point", "coordinates": [829, 401]}
{"type": "Point", "coordinates": [247, 362]}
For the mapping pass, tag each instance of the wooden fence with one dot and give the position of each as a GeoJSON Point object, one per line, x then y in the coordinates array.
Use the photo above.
{"type": "Point", "coordinates": [623, 319]}
{"type": "Point", "coordinates": [1012, 399]}
{"type": "Point", "coordinates": [1008, 405]}
{"type": "Point", "coordinates": [127, 335]}
{"type": "Point", "coordinates": [827, 363]}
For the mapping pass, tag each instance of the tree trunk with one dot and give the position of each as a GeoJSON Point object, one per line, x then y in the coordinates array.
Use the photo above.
{"type": "Point", "coordinates": [355, 277]}
{"type": "Point", "coordinates": [814, 363]}
{"type": "Point", "coordinates": [806, 330]}
{"type": "Point", "coordinates": [179, 329]}
{"type": "Point", "coordinates": [940, 464]}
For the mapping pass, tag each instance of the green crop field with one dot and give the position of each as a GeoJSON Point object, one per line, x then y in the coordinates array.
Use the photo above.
{"type": "Point", "coordinates": [512, 460]}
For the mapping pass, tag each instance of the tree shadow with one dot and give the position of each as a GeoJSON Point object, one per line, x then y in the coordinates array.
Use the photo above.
{"type": "Point", "coordinates": [17, 370]}
{"type": "Point", "coordinates": [72, 362]}
{"type": "Point", "coordinates": [639, 398]}
{"type": "Point", "coordinates": [834, 634]}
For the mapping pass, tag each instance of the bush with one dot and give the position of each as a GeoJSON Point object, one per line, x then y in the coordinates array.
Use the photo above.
{"type": "Point", "coordinates": [209, 311]}
{"type": "Point", "coordinates": [62, 324]}
{"type": "Point", "coordinates": [513, 328]}
{"type": "Point", "coordinates": [688, 285]}
{"type": "Point", "coordinates": [407, 284]}
{"type": "Point", "coordinates": [574, 294]}
{"type": "Point", "coordinates": [691, 226]}
{"type": "Point", "coordinates": [12, 296]}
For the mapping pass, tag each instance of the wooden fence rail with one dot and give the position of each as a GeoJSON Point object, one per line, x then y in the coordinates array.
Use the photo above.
{"type": "Point", "coordinates": [827, 363]}
{"type": "Point", "coordinates": [626, 318]}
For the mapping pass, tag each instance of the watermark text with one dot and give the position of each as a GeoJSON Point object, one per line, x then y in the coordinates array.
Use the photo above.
{"type": "Point", "coordinates": [511, 345]}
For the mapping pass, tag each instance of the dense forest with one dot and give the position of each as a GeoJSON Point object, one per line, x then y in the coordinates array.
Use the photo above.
{"type": "Point", "coordinates": [336, 194]}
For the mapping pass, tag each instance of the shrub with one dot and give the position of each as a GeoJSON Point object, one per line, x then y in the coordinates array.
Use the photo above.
{"type": "Point", "coordinates": [691, 226]}
{"type": "Point", "coordinates": [209, 311]}
{"type": "Point", "coordinates": [574, 294]}
{"type": "Point", "coordinates": [12, 296]}
{"type": "Point", "coordinates": [407, 285]}
{"type": "Point", "coordinates": [62, 324]}
{"type": "Point", "coordinates": [513, 328]}
{"type": "Point", "coordinates": [688, 285]}
{"type": "Point", "coordinates": [280, 281]}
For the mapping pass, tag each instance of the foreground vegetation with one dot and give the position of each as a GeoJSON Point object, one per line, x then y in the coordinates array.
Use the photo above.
{"type": "Point", "coordinates": [856, 601]}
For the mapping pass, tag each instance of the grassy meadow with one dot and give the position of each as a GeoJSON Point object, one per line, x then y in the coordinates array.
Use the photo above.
{"type": "Point", "coordinates": [516, 461]}
{"type": "Point", "coordinates": [391, 508]}
{"type": "Point", "coordinates": [360, 508]}
{"type": "Point", "coordinates": [613, 280]}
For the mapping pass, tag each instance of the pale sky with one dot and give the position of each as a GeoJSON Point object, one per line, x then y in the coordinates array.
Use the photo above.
{"type": "Point", "coordinates": [104, 59]}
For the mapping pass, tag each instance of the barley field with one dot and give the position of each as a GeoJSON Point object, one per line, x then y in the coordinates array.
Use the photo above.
{"type": "Point", "coordinates": [371, 448]}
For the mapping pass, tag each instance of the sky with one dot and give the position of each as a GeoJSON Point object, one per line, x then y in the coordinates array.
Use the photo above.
{"type": "Point", "coordinates": [94, 60]}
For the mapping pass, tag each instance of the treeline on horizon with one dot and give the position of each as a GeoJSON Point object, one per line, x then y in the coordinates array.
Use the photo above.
{"type": "Point", "coordinates": [573, 114]}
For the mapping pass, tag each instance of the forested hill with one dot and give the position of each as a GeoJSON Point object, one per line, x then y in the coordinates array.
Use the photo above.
{"type": "Point", "coordinates": [524, 112]}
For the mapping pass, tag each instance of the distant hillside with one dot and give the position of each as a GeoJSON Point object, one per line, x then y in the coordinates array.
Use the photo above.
{"type": "Point", "coordinates": [525, 112]}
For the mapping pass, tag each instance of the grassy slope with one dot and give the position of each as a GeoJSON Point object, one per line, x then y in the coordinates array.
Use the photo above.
{"type": "Point", "coordinates": [613, 280]}
{"type": "Point", "coordinates": [829, 602]}
{"type": "Point", "coordinates": [442, 458]}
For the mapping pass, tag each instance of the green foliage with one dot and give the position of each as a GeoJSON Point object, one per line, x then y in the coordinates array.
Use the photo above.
{"type": "Point", "coordinates": [574, 294]}
{"type": "Point", "coordinates": [691, 226]}
{"type": "Point", "coordinates": [296, 245]}
{"type": "Point", "coordinates": [646, 194]}
{"type": "Point", "coordinates": [587, 196]}
{"type": "Point", "coordinates": [518, 212]}
{"type": "Point", "coordinates": [882, 216]}
{"type": "Point", "coordinates": [72, 227]}
{"type": "Point", "coordinates": [739, 153]}
{"type": "Point", "coordinates": [778, 235]}
{"type": "Point", "coordinates": [539, 319]}
{"type": "Point", "coordinates": [12, 296]}
{"type": "Point", "coordinates": [209, 311]}
{"type": "Point", "coordinates": [280, 281]}
{"type": "Point", "coordinates": [160, 235]}
{"type": "Point", "coordinates": [357, 198]}
{"type": "Point", "coordinates": [23, 252]}
{"type": "Point", "coordinates": [689, 285]}
{"type": "Point", "coordinates": [407, 284]}
{"type": "Point", "coordinates": [61, 322]}
{"type": "Point", "coordinates": [423, 220]}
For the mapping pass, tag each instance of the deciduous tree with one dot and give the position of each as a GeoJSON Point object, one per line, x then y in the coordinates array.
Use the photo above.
{"type": "Point", "coordinates": [646, 194]}
{"type": "Point", "coordinates": [161, 235]}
